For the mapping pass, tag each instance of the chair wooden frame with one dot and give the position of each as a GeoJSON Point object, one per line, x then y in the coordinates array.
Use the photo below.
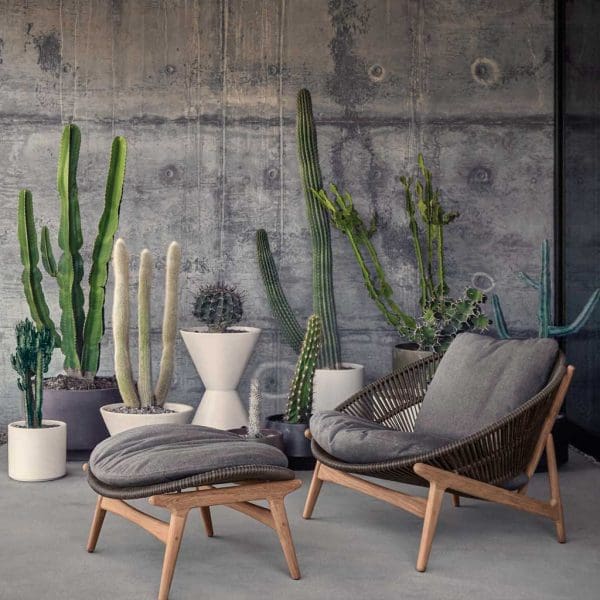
{"type": "Point", "coordinates": [239, 496]}
{"type": "Point", "coordinates": [440, 480]}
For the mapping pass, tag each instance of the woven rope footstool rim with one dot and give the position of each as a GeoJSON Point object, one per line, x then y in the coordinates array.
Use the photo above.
{"type": "Point", "coordinates": [223, 475]}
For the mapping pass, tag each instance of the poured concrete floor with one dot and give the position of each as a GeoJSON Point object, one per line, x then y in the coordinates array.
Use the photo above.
{"type": "Point", "coordinates": [355, 547]}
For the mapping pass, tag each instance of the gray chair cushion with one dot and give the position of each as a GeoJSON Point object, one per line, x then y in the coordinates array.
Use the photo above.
{"type": "Point", "coordinates": [480, 380]}
{"type": "Point", "coordinates": [154, 454]}
{"type": "Point", "coordinates": [360, 441]}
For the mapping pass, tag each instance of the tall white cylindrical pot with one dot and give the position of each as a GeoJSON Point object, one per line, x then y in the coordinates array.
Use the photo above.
{"type": "Point", "coordinates": [220, 359]}
{"type": "Point", "coordinates": [37, 454]}
{"type": "Point", "coordinates": [332, 386]}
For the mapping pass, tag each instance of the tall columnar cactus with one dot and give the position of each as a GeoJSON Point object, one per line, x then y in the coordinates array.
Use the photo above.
{"type": "Point", "coordinates": [219, 306]}
{"type": "Point", "coordinates": [543, 285]}
{"type": "Point", "coordinates": [142, 396]}
{"type": "Point", "coordinates": [322, 277]}
{"type": "Point", "coordinates": [30, 360]}
{"type": "Point", "coordinates": [254, 410]}
{"type": "Point", "coordinates": [442, 317]}
{"type": "Point", "coordinates": [80, 334]}
{"type": "Point", "coordinates": [300, 399]}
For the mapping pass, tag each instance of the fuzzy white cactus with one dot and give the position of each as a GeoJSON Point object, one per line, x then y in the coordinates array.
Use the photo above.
{"type": "Point", "coordinates": [254, 410]}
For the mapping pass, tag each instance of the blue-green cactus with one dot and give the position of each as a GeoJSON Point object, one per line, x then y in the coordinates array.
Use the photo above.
{"type": "Point", "coordinates": [543, 286]}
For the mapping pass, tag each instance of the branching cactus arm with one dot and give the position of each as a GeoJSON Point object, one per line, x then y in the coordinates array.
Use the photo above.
{"type": "Point", "coordinates": [120, 326]}
{"type": "Point", "coordinates": [169, 326]}
{"type": "Point", "coordinates": [144, 384]}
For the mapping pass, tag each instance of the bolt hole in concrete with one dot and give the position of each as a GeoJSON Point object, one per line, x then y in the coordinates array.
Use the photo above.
{"type": "Point", "coordinates": [170, 69]}
{"type": "Point", "coordinates": [480, 176]}
{"type": "Point", "coordinates": [482, 281]}
{"type": "Point", "coordinates": [485, 71]}
{"type": "Point", "coordinates": [376, 72]}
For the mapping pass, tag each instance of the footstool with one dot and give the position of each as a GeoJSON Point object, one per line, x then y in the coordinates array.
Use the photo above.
{"type": "Point", "coordinates": [161, 462]}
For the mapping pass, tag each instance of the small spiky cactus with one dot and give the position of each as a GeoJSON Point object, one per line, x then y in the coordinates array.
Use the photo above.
{"type": "Point", "coordinates": [219, 306]}
{"type": "Point", "coordinates": [30, 360]}
{"type": "Point", "coordinates": [141, 396]}
{"type": "Point", "coordinates": [543, 286]}
{"type": "Point", "coordinates": [254, 410]}
{"type": "Point", "coordinates": [300, 398]}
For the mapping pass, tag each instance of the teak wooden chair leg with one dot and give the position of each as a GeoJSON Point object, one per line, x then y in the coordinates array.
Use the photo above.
{"type": "Point", "coordinates": [455, 500]}
{"type": "Point", "coordinates": [555, 490]}
{"type": "Point", "coordinates": [432, 512]}
{"type": "Point", "coordinates": [313, 492]}
{"type": "Point", "coordinates": [240, 497]}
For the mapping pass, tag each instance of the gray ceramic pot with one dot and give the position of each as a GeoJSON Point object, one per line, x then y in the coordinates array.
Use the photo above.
{"type": "Point", "coordinates": [405, 354]}
{"type": "Point", "coordinates": [294, 441]}
{"type": "Point", "coordinates": [80, 410]}
{"type": "Point", "coordinates": [271, 437]}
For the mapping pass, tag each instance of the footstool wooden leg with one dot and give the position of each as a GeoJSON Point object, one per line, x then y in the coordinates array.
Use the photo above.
{"type": "Point", "coordinates": [207, 520]}
{"type": "Point", "coordinates": [455, 500]}
{"type": "Point", "coordinates": [97, 522]}
{"type": "Point", "coordinates": [282, 528]}
{"type": "Point", "coordinates": [176, 527]}
{"type": "Point", "coordinates": [313, 493]}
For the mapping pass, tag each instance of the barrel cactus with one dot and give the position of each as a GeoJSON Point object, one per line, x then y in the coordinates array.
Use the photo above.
{"type": "Point", "coordinates": [300, 399]}
{"type": "Point", "coordinates": [219, 306]}
{"type": "Point", "coordinates": [143, 395]}
{"type": "Point", "coordinates": [30, 360]}
{"type": "Point", "coordinates": [322, 260]}
{"type": "Point", "coordinates": [80, 333]}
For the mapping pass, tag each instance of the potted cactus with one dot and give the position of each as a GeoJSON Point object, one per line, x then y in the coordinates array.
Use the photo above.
{"type": "Point", "coordinates": [442, 316]}
{"type": "Point", "coordinates": [335, 380]}
{"type": "Point", "coordinates": [37, 447]}
{"type": "Point", "coordinates": [142, 403]}
{"type": "Point", "coordinates": [76, 395]}
{"type": "Point", "coordinates": [220, 350]}
{"type": "Point", "coordinates": [294, 422]}
{"type": "Point", "coordinates": [255, 432]}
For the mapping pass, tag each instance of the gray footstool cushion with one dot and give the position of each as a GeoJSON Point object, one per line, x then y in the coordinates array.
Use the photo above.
{"type": "Point", "coordinates": [156, 454]}
{"type": "Point", "coordinates": [360, 441]}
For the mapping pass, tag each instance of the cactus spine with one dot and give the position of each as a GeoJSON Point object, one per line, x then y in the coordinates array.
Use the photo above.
{"type": "Point", "coordinates": [254, 410]}
{"type": "Point", "coordinates": [543, 286]}
{"type": "Point", "coordinates": [322, 277]}
{"type": "Point", "coordinates": [80, 334]}
{"type": "Point", "coordinates": [30, 360]}
{"type": "Point", "coordinates": [142, 397]}
{"type": "Point", "coordinates": [299, 405]}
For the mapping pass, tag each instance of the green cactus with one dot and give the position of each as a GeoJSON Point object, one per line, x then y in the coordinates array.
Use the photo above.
{"type": "Point", "coordinates": [442, 317]}
{"type": "Point", "coordinates": [543, 286]}
{"type": "Point", "coordinates": [322, 276]}
{"type": "Point", "coordinates": [141, 396]}
{"type": "Point", "coordinates": [219, 306]}
{"type": "Point", "coordinates": [30, 360]}
{"type": "Point", "coordinates": [300, 399]}
{"type": "Point", "coordinates": [80, 334]}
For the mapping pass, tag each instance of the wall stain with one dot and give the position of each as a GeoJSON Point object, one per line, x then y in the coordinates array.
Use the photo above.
{"type": "Point", "coordinates": [49, 52]}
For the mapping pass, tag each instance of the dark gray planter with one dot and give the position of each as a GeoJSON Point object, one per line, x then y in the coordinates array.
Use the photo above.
{"type": "Point", "coordinates": [80, 410]}
{"type": "Point", "coordinates": [296, 445]}
{"type": "Point", "coordinates": [269, 436]}
{"type": "Point", "coordinates": [405, 354]}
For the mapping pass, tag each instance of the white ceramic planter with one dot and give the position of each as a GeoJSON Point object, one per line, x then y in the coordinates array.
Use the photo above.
{"type": "Point", "coordinates": [220, 359]}
{"type": "Point", "coordinates": [332, 386]}
{"type": "Point", "coordinates": [118, 421]}
{"type": "Point", "coordinates": [38, 454]}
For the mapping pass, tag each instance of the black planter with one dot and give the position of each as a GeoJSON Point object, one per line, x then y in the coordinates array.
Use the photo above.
{"type": "Point", "coordinates": [270, 437]}
{"type": "Point", "coordinates": [80, 410]}
{"type": "Point", "coordinates": [296, 445]}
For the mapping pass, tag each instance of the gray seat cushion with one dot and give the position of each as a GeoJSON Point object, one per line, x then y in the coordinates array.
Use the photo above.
{"type": "Point", "coordinates": [154, 454]}
{"type": "Point", "coordinates": [355, 440]}
{"type": "Point", "coordinates": [481, 380]}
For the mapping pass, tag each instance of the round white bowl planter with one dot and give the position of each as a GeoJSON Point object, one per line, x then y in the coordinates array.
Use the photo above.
{"type": "Point", "coordinates": [332, 386]}
{"type": "Point", "coordinates": [37, 454]}
{"type": "Point", "coordinates": [220, 359]}
{"type": "Point", "coordinates": [121, 421]}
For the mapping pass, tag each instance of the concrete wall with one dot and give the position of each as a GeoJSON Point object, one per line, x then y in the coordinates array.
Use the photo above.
{"type": "Point", "coordinates": [205, 93]}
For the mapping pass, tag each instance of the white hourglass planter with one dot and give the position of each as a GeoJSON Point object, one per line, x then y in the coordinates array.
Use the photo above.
{"type": "Point", "coordinates": [220, 359]}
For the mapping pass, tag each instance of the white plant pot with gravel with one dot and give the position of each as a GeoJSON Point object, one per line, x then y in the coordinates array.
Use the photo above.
{"type": "Point", "coordinates": [332, 386]}
{"type": "Point", "coordinates": [119, 418]}
{"type": "Point", "coordinates": [37, 454]}
{"type": "Point", "coordinates": [220, 359]}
